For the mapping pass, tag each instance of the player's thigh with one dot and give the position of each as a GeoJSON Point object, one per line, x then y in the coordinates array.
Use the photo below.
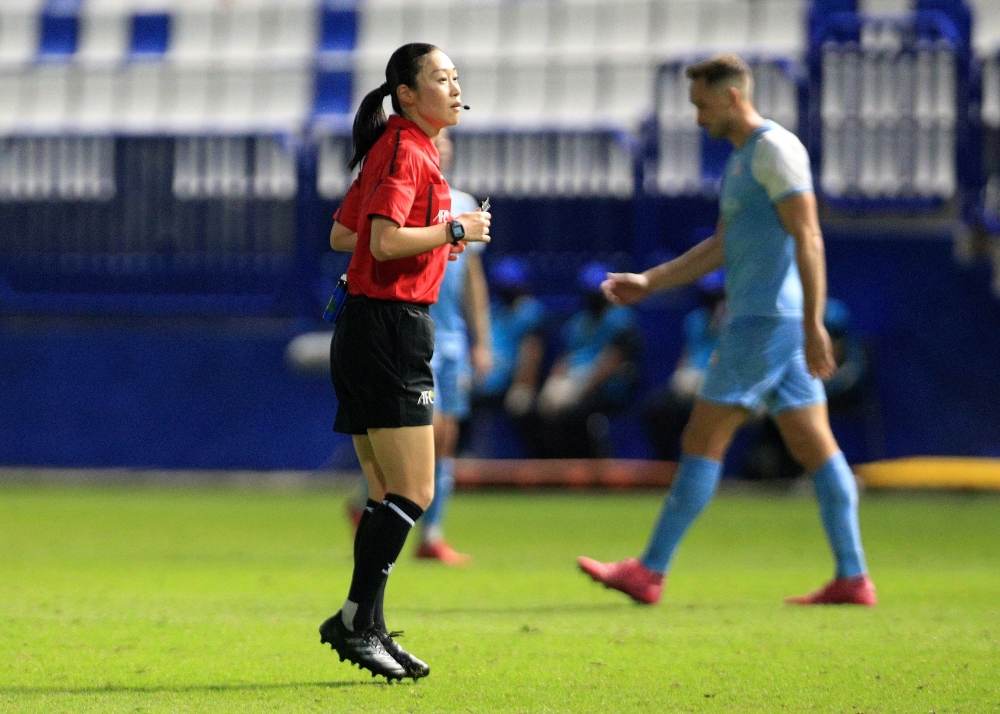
{"type": "Point", "coordinates": [807, 434]}
{"type": "Point", "coordinates": [370, 467]}
{"type": "Point", "coordinates": [445, 434]}
{"type": "Point", "coordinates": [710, 429]}
{"type": "Point", "coordinates": [406, 457]}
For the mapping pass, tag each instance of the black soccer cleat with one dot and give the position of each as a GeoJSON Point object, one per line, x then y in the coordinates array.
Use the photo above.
{"type": "Point", "coordinates": [364, 649]}
{"type": "Point", "coordinates": [414, 667]}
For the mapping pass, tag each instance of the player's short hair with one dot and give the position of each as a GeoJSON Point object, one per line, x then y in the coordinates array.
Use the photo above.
{"type": "Point", "coordinates": [723, 70]}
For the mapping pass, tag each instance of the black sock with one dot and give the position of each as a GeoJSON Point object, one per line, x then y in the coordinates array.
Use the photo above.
{"type": "Point", "coordinates": [378, 547]}
{"type": "Point", "coordinates": [366, 515]}
{"type": "Point", "coordinates": [379, 615]}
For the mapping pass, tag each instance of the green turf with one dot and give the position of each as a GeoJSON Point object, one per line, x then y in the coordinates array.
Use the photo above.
{"type": "Point", "coordinates": [171, 600]}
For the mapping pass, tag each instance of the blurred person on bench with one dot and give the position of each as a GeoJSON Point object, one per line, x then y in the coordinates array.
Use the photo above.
{"type": "Point", "coordinates": [595, 376]}
{"type": "Point", "coordinates": [667, 409]}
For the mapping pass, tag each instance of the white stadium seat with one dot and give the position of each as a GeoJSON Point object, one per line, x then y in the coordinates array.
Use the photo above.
{"type": "Point", "coordinates": [19, 30]}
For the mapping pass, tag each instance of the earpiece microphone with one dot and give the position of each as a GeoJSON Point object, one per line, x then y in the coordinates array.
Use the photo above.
{"type": "Point", "coordinates": [466, 107]}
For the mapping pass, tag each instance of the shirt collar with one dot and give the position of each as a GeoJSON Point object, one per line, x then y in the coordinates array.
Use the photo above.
{"type": "Point", "coordinates": [416, 133]}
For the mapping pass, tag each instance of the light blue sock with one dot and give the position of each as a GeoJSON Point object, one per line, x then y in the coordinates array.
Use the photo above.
{"type": "Point", "coordinates": [837, 494]}
{"type": "Point", "coordinates": [696, 480]}
{"type": "Point", "coordinates": [444, 484]}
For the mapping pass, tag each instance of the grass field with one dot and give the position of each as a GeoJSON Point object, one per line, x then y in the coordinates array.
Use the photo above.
{"type": "Point", "coordinates": [156, 599]}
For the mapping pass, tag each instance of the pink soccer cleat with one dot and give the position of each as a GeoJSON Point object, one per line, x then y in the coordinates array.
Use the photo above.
{"type": "Point", "coordinates": [441, 550]}
{"type": "Point", "coordinates": [629, 576]}
{"type": "Point", "coordinates": [859, 590]}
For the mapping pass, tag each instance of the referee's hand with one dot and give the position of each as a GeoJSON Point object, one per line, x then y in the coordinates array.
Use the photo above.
{"type": "Point", "coordinates": [625, 288]}
{"type": "Point", "coordinates": [477, 226]}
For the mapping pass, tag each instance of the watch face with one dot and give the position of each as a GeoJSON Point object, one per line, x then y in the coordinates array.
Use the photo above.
{"type": "Point", "coordinates": [458, 230]}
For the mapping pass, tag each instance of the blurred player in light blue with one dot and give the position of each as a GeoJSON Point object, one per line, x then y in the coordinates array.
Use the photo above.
{"type": "Point", "coordinates": [773, 350]}
{"type": "Point", "coordinates": [461, 349]}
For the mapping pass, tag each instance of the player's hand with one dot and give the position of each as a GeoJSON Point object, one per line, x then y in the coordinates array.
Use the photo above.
{"type": "Point", "coordinates": [482, 360]}
{"type": "Point", "coordinates": [456, 250]}
{"type": "Point", "coordinates": [819, 352]}
{"type": "Point", "coordinates": [476, 225]}
{"type": "Point", "coordinates": [625, 288]}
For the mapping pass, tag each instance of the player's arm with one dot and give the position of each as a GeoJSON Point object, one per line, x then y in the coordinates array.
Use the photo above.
{"type": "Point", "coordinates": [343, 238]}
{"type": "Point", "coordinates": [477, 311]}
{"type": "Point", "coordinates": [798, 215]}
{"type": "Point", "coordinates": [630, 288]}
{"type": "Point", "coordinates": [390, 241]}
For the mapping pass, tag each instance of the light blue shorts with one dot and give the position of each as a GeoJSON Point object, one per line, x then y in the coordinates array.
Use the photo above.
{"type": "Point", "coordinates": [761, 360]}
{"type": "Point", "coordinates": [452, 377]}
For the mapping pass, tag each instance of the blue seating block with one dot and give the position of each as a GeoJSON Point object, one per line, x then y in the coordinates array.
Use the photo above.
{"type": "Point", "coordinates": [60, 29]}
{"type": "Point", "coordinates": [333, 92]}
{"type": "Point", "coordinates": [150, 34]}
{"type": "Point", "coordinates": [338, 29]}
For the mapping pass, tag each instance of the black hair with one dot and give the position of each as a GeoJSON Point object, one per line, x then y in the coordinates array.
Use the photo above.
{"type": "Point", "coordinates": [370, 121]}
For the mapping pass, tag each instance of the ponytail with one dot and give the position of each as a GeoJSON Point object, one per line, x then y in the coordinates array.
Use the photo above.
{"type": "Point", "coordinates": [370, 121]}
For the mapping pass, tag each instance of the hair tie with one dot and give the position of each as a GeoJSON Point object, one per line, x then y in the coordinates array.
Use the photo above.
{"type": "Point", "coordinates": [386, 91]}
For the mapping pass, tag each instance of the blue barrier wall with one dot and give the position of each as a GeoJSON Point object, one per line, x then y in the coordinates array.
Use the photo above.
{"type": "Point", "coordinates": [217, 393]}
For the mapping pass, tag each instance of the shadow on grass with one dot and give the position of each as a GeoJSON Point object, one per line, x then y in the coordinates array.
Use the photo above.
{"type": "Point", "coordinates": [526, 610]}
{"type": "Point", "coordinates": [189, 688]}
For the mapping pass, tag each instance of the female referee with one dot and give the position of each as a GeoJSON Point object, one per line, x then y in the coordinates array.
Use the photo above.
{"type": "Point", "coordinates": [396, 219]}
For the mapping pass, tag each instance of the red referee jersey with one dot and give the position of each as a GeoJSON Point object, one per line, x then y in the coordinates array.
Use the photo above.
{"type": "Point", "coordinates": [400, 180]}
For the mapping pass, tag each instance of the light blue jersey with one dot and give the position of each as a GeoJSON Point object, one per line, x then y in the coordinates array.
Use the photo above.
{"type": "Point", "coordinates": [760, 358]}
{"type": "Point", "coordinates": [448, 311]}
{"type": "Point", "coordinates": [762, 278]}
{"type": "Point", "coordinates": [450, 363]}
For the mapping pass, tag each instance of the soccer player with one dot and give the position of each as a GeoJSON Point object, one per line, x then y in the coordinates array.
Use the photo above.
{"type": "Point", "coordinates": [773, 350]}
{"type": "Point", "coordinates": [396, 219]}
{"type": "Point", "coordinates": [463, 294]}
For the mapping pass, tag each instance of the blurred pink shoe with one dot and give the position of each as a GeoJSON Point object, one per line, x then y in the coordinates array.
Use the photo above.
{"type": "Point", "coordinates": [629, 576]}
{"type": "Point", "coordinates": [858, 590]}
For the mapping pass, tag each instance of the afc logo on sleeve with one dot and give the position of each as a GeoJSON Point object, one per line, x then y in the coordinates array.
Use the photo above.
{"type": "Point", "coordinates": [426, 398]}
{"type": "Point", "coordinates": [443, 216]}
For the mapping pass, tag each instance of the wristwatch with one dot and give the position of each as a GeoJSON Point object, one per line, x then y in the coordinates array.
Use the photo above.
{"type": "Point", "coordinates": [457, 231]}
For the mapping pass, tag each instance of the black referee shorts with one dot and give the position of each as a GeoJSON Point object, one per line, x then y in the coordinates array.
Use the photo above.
{"type": "Point", "coordinates": [380, 361]}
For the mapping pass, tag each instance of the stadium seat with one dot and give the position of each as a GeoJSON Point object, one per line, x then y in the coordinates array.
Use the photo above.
{"type": "Point", "coordinates": [274, 169]}
{"type": "Point", "coordinates": [11, 80]}
{"type": "Point", "coordinates": [150, 34]}
{"type": "Point", "coordinates": [104, 31]}
{"type": "Point", "coordinates": [338, 28]}
{"type": "Point", "coordinates": [282, 96]}
{"type": "Point", "coordinates": [525, 27]}
{"type": "Point", "coordinates": [46, 97]}
{"type": "Point", "coordinates": [237, 31]}
{"type": "Point", "coordinates": [777, 27]}
{"type": "Point", "coordinates": [986, 27]}
{"type": "Point", "coordinates": [141, 90]}
{"type": "Point", "coordinates": [474, 28]}
{"type": "Point", "coordinates": [98, 94]}
{"type": "Point", "coordinates": [521, 93]}
{"type": "Point", "coordinates": [723, 24]}
{"type": "Point", "coordinates": [189, 91]}
{"type": "Point", "coordinates": [291, 29]}
{"type": "Point", "coordinates": [192, 32]}
{"type": "Point", "coordinates": [332, 176]}
{"type": "Point", "coordinates": [991, 92]}
{"type": "Point", "coordinates": [59, 34]}
{"type": "Point", "coordinates": [674, 27]}
{"type": "Point", "coordinates": [233, 108]}
{"type": "Point", "coordinates": [574, 27]}
{"type": "Point", "coordinates": [479, 77]}
{"type": "Point", "coordinates": [19, 29]}
{"type": "Point", "coordinates": [571, 90]}
{"type": "Point", "coordinates": [624, 27]}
